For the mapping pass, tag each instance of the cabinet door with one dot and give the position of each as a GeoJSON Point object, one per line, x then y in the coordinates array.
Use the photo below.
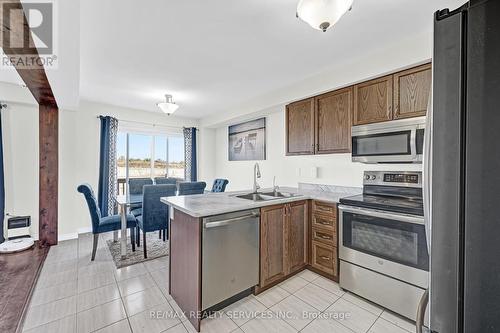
{"type": "Point", "coordinates": [300, 127]}
{"type": "Point", "coordinates": [297, 236]}
{"type": "Point", "coordinates": [373, 101]}
{"type": "Point", "coordinates": [333, 121]}
{"type": "Point", "coordinates": [411, 92]}
{"type": "Point", "coordinates": [272, 244]}
{"type": "Point", "coordinates": [324, 258]}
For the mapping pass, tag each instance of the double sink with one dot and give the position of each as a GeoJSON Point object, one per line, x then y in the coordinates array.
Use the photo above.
{"type": "Point", "coordinates": [266, 196]}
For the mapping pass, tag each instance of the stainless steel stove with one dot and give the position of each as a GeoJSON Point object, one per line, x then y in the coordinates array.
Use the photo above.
{"type": "Point", "coordinates": [383, 247]}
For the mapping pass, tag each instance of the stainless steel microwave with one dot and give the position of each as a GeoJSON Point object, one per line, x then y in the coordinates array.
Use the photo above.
{"type": "Point", "coordinates": [397, 141]}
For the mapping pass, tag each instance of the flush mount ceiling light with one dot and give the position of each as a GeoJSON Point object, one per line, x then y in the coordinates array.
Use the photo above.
{"type": "Point", "coordinates": [322, 14]}
{"type": "Point", "coordinates": [168, 106]}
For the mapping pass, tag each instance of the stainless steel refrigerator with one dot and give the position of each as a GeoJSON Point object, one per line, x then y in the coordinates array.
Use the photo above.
{"type": "Point", "coordinates": [465, 170]}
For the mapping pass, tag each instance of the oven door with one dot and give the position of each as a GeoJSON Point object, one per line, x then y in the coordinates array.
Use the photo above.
{"type": "Point", "coordinates": [389, 243]}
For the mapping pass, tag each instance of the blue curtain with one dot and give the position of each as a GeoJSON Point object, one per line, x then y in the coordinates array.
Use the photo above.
{"type": "Point", "coordinates": [107, 166]}
{"type": "Point", "coordinates": [190, 172]}
{"type": "Point", "coordinates": [2, 186]}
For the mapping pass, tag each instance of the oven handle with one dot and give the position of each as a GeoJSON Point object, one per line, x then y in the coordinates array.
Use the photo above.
{"type": "Point", "coordinates": [385, 215]}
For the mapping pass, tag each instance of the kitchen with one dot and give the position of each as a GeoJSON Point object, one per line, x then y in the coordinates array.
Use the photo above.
{"type": "Point", "coordinates": [374, 241]}
{"type": "Point", "coordinates": [350, 145]}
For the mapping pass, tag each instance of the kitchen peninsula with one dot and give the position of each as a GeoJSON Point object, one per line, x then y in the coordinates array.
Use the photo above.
{"type": "Point", "coordinates": [224, 246]}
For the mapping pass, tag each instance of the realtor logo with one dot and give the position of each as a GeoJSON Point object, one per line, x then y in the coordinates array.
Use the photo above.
{"type": "Point", "coordinates": [28, 30]}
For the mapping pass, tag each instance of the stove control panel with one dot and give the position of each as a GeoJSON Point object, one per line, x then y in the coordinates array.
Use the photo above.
{"type": "Point", "coordinates": [393, 178]}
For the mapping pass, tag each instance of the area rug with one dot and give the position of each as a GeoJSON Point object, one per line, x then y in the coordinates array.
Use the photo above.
{"type": "Point", "coordinates": [156, 248]}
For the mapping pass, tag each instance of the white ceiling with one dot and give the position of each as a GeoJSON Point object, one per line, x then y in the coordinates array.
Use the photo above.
{"type": "Point", "coordinates": [217, 55]}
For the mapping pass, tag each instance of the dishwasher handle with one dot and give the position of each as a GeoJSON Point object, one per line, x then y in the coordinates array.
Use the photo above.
{"type": "Point", "coordinates": [229, 221]}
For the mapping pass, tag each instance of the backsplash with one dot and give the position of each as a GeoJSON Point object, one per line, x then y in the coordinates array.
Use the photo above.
{"type": "Point", "coordinates": [330, 188]}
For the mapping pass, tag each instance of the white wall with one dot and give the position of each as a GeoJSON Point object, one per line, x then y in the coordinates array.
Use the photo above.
{"type": "Point", "coordinates": [206, 155]}
{"type": "Point", "coordinates": [78, 157]}
{"type": "Point", "coordinates": [334, 169]}
{"type": "Point", "coordinates": [20, 144]}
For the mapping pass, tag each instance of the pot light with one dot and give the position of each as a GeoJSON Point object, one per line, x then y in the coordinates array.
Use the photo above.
{"type": "Point", "coordinates": [168, 106]}
{"type": "Point", "coordinates": [322, 14]}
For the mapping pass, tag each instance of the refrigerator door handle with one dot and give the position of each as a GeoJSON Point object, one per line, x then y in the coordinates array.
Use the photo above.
{"type": "Point", "coordinates": [422, 306]}
{"type": "Point", "coordinates": [427, 176]}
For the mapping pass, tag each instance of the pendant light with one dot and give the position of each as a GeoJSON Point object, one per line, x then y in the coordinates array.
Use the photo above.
{"type": "Point", "coordinates": [168, 106]}
{"type": "Point", "coordinates": [322, 14]}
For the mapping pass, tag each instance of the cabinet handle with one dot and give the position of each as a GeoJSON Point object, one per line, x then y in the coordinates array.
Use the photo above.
{"type": "Point", "coordinates": [324, 257]}
{"type": "Point", "coordinates": [325, 237]}
{"type": "Point", "coordinates": [325, 209]}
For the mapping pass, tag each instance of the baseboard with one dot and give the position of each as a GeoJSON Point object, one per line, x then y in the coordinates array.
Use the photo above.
{"type": "Point", "coordinates": [85, 230]}
{"type": "Point", "coordinates": [65, 237]}
{"type": "Point", "coordinates": [74, 235]}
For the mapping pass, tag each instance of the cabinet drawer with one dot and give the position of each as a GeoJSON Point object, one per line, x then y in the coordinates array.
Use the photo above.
{"type": "Point", "coordinates": [324, 258]}
{"type": "Point", "coordinates": [324, 221]}
{"type": "Point", "coordinates": [325, 208]}
{"type": "Point", "coordinates": [324, 236]}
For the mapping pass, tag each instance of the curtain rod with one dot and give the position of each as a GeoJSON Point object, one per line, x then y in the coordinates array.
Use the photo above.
{"type": "Point", "coordinates": [150, 124]}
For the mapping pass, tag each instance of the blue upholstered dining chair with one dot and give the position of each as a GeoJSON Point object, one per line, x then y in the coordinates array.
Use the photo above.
{"type": "Point", "coordinates": [154, 212]}
{"type": "Point", "coordinates": [189, 188]}
{"type": "Point", "coordinates": [104, 224]}
{"type": "Point", "coordinates": [135, 186]}
{"type": "Point", "coordinates": [220, 185]}
{"type": "Point", "coordinates": [166, 180]}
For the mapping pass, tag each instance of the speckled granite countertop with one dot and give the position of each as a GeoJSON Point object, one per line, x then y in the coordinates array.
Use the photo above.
{"type": "Point", "coordinates": [208, 204]}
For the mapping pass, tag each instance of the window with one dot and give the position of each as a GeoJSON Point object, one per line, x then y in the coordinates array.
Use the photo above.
{"type": "Point", "coordinates": [148, 156]}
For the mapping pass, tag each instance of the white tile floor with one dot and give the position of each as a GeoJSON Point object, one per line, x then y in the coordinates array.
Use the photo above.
{"type": "Point", "coordinates": [74, 294]}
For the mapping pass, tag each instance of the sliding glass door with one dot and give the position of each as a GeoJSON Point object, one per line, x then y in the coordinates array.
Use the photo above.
{"type": "Point", "coordinates": [149, 156]}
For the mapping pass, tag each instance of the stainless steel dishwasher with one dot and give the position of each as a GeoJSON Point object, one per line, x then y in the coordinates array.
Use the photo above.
{"type": "Point", "coordinates": [230, 255]}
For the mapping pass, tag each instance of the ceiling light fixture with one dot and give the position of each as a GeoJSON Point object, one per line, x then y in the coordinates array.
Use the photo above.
{"type": "Point", "coordinates": [322, 14]}
{"type": "Point", "coordinates": [168, 106]}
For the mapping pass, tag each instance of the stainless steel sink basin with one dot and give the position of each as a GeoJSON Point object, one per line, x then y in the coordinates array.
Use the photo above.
{"type": "Point", "coordinates": [280, 194]}
{"type": "Point", "coordinates": [266, 196]}
{"type": "Point", "coordinates": [253, 197]}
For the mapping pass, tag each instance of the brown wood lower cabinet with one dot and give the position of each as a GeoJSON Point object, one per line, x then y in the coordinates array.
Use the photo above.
{"type": "Point", "coordinates": [283, 241]}
{"type": "Point", "coordinates": [323, 239]}
{"type": "Point", "coordinates": [324, 258]}
{"type": "Point", "coordinates": [297, 236]}
{"type": "Point", "coordinates": [272, 244]}
{"type": "Point", "coordinates": [291, 239]}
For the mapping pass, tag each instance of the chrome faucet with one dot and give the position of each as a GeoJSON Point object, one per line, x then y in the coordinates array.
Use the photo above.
{"type": "Point", "coordinates": [275, 187]}
{"type": "Point", "coordinates": [256, 174]}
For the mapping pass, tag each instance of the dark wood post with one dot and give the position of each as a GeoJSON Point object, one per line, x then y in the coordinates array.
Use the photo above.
{"type": "Point", "coordinates": [36, 80]}
{"type": "Point", "coordinates": [48, 177]}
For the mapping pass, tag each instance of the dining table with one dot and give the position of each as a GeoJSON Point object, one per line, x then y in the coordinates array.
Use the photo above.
{"type": "Point", "coordinates": [124, 203]}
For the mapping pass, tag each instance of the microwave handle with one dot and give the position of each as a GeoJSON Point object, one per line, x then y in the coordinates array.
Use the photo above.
{"type": "Point", "coordinates": [413, 143]}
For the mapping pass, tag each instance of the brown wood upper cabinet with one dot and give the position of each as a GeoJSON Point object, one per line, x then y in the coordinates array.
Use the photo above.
{"type": "Point", "coordinates": [333, 122]}
{"type": "Point", "coordinates": [283, 241]}
{"type": "Point", "coordinates": [322, 124]}
{"type": "Point", "coordinates": [373, 101]}
{"type": "Point", "coordinates": [411, 91]}
{"type": "Point", "coordinates": [300, 127]}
